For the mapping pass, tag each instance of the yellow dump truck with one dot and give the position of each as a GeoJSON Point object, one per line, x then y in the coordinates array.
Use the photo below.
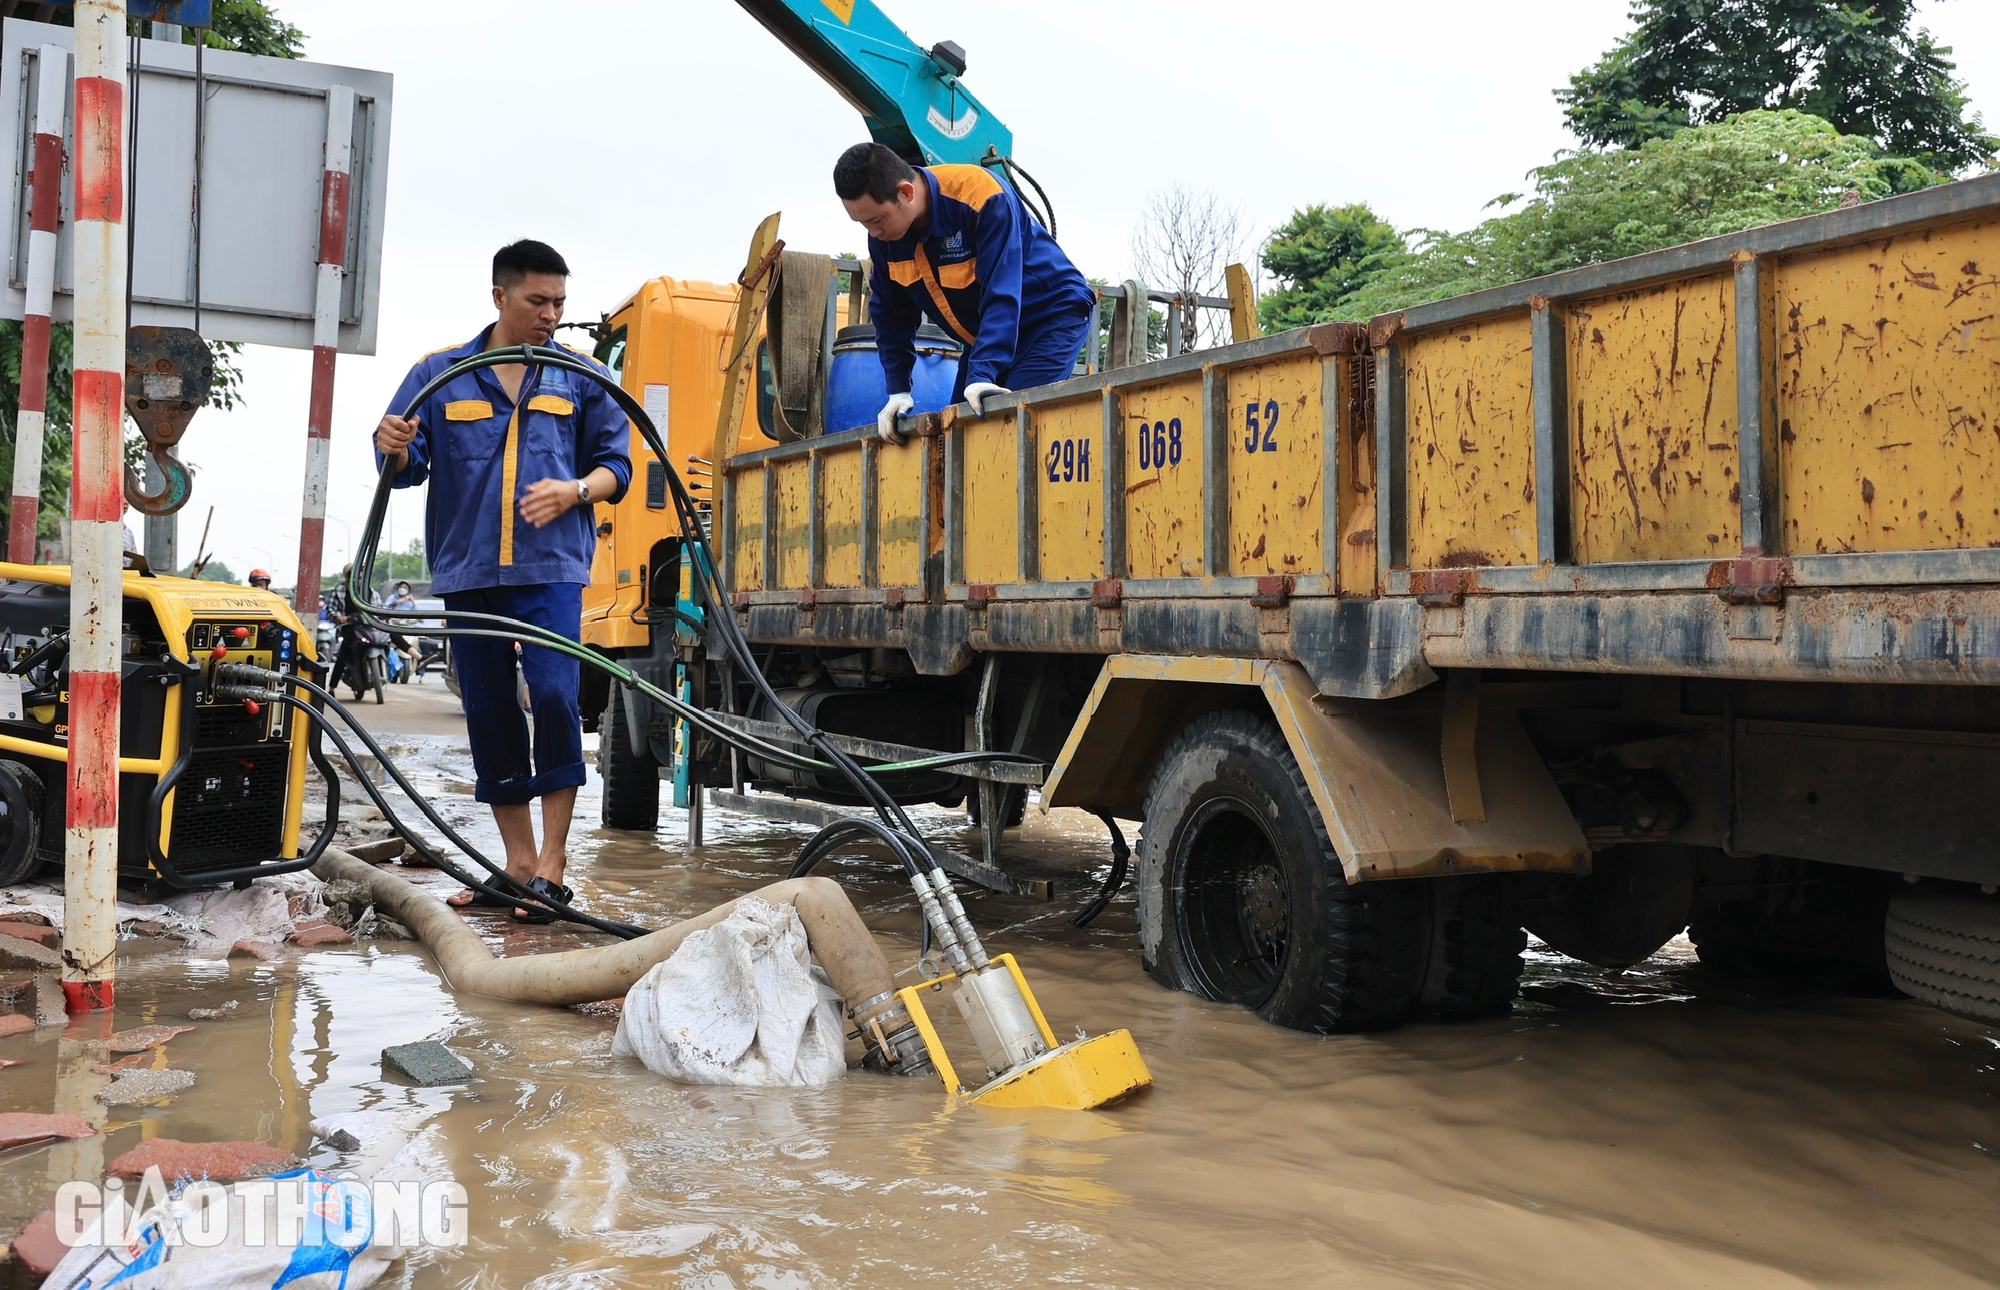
{"type": "Point", "coordinates": [1657, 595]}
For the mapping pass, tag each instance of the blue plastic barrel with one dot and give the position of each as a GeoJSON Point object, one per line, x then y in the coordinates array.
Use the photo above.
{"type": "Point", "coordinates": [856, 388]}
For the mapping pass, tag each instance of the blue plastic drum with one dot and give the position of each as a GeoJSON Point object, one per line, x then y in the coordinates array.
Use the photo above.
{"type": "Point", "coordinates": [856, 388]}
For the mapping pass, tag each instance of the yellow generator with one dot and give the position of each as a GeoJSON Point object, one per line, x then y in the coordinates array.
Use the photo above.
{"type": "Point", "coordinates": [209, 788]}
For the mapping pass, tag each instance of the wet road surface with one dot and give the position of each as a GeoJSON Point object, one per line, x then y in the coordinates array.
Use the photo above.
{"type": "Point", "coordinates": [1658, 1127]}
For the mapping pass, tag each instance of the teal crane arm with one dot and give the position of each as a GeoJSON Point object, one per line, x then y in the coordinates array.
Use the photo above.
{"type": "Point", "coordinates": [910, 97]}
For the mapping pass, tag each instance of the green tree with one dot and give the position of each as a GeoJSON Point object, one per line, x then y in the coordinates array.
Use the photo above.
{"type": "Point", "coordinates": [1602, 204]}
{"type": "Point", "coordinates": [213, 571]}
{"type": "Point", "coordinates": [1857, 65]}
{"type": "Point", "coordinates": [1321, 256]}
{"type": "Point", "coordinates": [249, 26]}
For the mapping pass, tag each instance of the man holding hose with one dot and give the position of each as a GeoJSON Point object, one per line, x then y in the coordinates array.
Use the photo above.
{"type": "Point", "coordinates": [515, 455]}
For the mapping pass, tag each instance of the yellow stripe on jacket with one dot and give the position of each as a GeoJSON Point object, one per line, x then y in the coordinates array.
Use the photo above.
{"type": "Point", "coordinates": [509, 473]}
{"type": "Point", "coordinates": [937, 294]}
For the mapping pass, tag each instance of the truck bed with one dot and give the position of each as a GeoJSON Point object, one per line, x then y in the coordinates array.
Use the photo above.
{"type": "Point", "coordinates": [1770, 455]}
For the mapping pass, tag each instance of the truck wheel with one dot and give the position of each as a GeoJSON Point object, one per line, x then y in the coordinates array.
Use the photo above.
{"type": "Point", "coordinates": [1242, 899]}
{"type": "Point", "coordinates": [1474, 965]}
{"type": "Point", "coordinates": [631, 797]}
{"type": "Point", "coordinates": [1945, 950]}
{"type": "Point", "coordinates": [21, 802]}
{"type": "Point", "coordinates": [1812, 924]}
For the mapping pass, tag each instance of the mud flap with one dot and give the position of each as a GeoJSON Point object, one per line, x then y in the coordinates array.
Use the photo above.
{"type": "Point", "coordinates": [1376, 772]}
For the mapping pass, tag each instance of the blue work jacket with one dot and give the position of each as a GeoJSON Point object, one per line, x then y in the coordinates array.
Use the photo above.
{"type": "Point", "coordinates": [479, 452]}
{"type": "Point", "coordinates": [981, 267]}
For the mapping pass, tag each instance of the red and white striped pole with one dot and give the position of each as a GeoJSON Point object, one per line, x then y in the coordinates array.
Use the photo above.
{"type": "Point", "coordinates": [333, 207]}
{"type": "Point", "coordinates": [97, 503]}
{"type": "Point", "coordinates": [52, 63]}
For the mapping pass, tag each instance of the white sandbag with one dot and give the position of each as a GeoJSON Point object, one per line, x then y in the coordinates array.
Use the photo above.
{"type": "Point", "coordinates": [210, 921]}
{"type": "Point", "coordinates": [738, 1003]}
{"type": "Point", "coordinates": [305, 1229]}
{"type": "Point", "coordinates": [163, 1249]}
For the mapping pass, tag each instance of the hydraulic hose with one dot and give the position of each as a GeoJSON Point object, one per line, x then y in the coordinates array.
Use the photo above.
{"type": "Point", "coordinates": [895, 827]}
{"type": "Point", "coordinates": [509, 890]}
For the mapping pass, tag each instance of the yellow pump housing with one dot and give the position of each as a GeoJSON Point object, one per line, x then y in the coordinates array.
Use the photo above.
{"type": "Point", "coordinates": [238, 774]}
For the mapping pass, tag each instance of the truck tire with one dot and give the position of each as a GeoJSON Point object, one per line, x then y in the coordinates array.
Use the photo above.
{"type": "Point", "coordinates": [1473, 968]}
{"type": "Point", "coordinates": [21, 803]}
{"type": "Point", "coordinates": [1945, 950]}
{"type": "Point", "coordinates": [1242, 899]}
{"type": "Point", "coordinates": [631, 796]}
{"type": "Point", "coordinates": [1816, 924]}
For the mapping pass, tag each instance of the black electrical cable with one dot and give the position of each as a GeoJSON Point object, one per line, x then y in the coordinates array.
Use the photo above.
{"type": "Point", "coordinates": [513, 891]}
{"type": "Point", "coordinates": [1121, 856]}
{"type": "Point", "coordinates": [899, 832]}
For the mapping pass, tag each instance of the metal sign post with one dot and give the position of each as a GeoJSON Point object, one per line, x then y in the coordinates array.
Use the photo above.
{"type": "Point", "coordinates": [333, 206]}
{"type": "Point", "coordinates": [97, 502]}
{"type": "Point", "coordinates": [44, 208]}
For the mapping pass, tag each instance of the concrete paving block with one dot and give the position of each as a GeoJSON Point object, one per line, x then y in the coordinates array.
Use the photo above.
{"type": "Point", "coordinates": [51, 1006]}
{"type": "Point", "coordinates": [31, 932]}
{"type": "Point", "coordinates": [15, 1024]}
{"type": "Point", "coordinates": [140, 1038]}
{"type": "Point", "coordinates": [264, 951]}
{"type": "Point", "coordinates": [426, 1063]}
{"type": "Point", "coordinates": [217, 1161]}
{"type": "Point", "coordinates": [145, 1085]}
{"type": "Point", "coordinates": [17, 1127]}
{"type": "Point", "coordinates": [36, 1248]}
{"type": "Point", "coordinates": [381, 851]}
{"type": "Point", "coordinates": [15, 952]}
{"type": "Point", "coordinates": [324, 934]}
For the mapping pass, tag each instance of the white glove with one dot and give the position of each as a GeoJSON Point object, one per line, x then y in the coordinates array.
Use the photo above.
{"type": "Point", "coordinates": [976, 393]}
{"type": "Point", "coordinates": [885, 420]}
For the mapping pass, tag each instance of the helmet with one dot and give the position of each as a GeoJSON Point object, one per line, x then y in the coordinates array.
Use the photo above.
{"type": "Point", "coordinates": [259, 575]}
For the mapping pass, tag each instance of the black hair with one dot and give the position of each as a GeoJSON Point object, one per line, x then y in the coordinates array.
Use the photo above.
{"type": "Point", "coordinates": [517, 260]}
{"type": "Point", "coordinates": [870, 168]}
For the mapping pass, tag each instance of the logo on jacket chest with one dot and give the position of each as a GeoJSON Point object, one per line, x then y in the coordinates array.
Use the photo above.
{"type": "Point", "coordinates": [953, 247]}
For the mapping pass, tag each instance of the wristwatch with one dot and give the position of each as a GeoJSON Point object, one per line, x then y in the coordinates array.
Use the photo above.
{"type": "Point", "coordinates": [583, 492]}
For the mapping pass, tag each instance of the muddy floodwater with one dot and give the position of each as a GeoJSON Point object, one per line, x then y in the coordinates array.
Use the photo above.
{"type": "Point", "coordinates": [1659, 1127]}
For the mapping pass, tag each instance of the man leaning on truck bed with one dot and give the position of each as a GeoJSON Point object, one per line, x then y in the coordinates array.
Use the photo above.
{"type": "Point", "coordinates": [955, 243]}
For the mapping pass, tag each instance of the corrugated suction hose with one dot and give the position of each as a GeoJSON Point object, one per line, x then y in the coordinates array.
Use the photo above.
{"type": "Point", "coordinates": [841, 942]}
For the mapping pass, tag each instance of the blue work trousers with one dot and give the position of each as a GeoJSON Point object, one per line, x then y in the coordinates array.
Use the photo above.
{"type": "Point", "coordinates": [494, 723]}
{"type": "Point", "coordinates": [1047, 354]}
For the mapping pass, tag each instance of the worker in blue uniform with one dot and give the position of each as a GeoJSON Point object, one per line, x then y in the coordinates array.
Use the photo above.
{"type": "Point", "coordinates": [955, 243]}
{"type": "Point", "coordinates": [515, 456]}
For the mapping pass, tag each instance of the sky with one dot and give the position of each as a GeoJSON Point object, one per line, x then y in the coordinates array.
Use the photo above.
{"type": "Point", "coordinates": [643, 138]}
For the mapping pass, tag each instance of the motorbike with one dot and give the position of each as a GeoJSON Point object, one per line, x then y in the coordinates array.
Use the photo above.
{"type": "Point", "coordinates": [360, 660]}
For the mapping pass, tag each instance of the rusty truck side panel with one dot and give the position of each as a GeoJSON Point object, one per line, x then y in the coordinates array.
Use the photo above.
{"type": "Point", "coordinates": [1276, 430]}
{"type": "Point", "coordinates": [1652, 377]}
{"type": "Point", "coordinates": [1888, 393]}
{"type": "Point", "coordinates": [1470, 445]}
{"type": "Point", "coordinates": [1066, 448]}
{"type": "Point", "coordinates": [1165, 446]}
{"type": "Point", "coordinates": [898, 514]}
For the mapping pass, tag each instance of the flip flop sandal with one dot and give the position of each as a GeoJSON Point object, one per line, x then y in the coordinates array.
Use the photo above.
{"type": "Point", "coordinates": [480, 900]}
{"type": "Point", "coordinates": [538, 914]}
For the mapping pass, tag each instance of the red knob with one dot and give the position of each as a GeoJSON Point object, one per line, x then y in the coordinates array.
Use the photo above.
{"type": "Point", "coordinates": [250, 706]}
{"type": "Point", "coordinates": [220, 651]}
{"type": "Point", "coordinates": [239, 632]}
